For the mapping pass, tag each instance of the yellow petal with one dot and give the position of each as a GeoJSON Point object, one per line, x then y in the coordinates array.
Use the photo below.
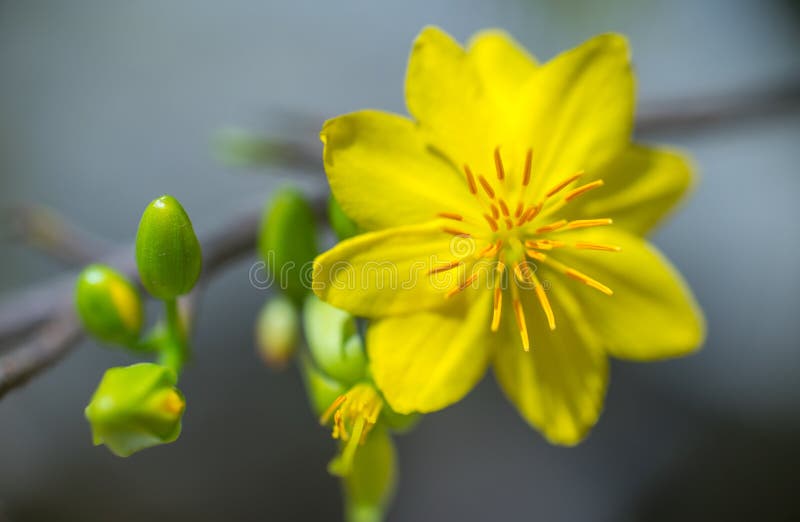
{"type": "Point", "coordinates": [387, 272]}
{"type": "Point", "coordinates": [641, 187]}
{"type": "Point", "coordinates": [559, 385]}
{"type": "Point", "coordinates": [503, 66]}
{"type": "Point", "coordinates": [580, 110]}
{"type": "Point", "coordinates": [445, 95]}
{"type": "Point", "coordinates": [427, 361]}
{"type": "Point", "coordinates": [383, 173]}
{"type": "Point", "coordinates": [652, 313]}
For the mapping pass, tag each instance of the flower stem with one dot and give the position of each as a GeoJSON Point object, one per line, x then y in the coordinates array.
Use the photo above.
{"type": "Point", "coordinates": [174, 350]}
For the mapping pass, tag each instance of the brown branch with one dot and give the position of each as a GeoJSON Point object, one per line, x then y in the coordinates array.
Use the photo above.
{"type": "Point", "coordinates": [44, 229]}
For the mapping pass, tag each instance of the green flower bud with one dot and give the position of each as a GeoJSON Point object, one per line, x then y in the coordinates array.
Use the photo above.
{"type": "Point", "coordinates": [370, 485]}
{"type": "Point", "coordinates": [277, 331]}
{"type": "Point", "coordinates": [342, 225]}
{"type": "Point", "coordinates": [136, 407]}
{"type": "Point", "coordinates": [108, 305]}
{"type": "Point", "coordinates": [167, 251]}
{"type": "Point", "coordinates": [334, 341]}
{"type": "Point", "coordinates": [287, 242]}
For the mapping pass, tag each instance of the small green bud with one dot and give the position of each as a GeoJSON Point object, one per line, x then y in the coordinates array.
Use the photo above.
{"type": "Point", "coordinates": [370, 485]}
{"type": "Point", "coordinates": [277, 331]}
{"type": "Point", "coordinates": [287, 242]}
{"type": "Point", "coordinates": [108, 305]}
{"type": "Point", "coordinates": [334, 341]}
{"type": "Point", "coordinates": [136, 407]}
{"type": "Point", "coordinates": [342, 225]}
{"type": "Point", "coordinates": [167, 251]}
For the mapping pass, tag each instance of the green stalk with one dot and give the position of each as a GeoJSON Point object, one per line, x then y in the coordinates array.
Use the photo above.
{"type": "Point", "coordinates": [174, 350]}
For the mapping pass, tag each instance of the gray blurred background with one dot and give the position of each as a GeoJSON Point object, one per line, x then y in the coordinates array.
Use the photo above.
{"type": "Point", "coordinates": [106, 105]}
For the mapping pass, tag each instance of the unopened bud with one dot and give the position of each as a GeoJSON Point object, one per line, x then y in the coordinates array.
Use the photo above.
{"type": "Point", "coordinates": [108, 305]}
{"type": "Point", "coordinates": [167, 251]}
{"type": "Point", "coordinates": [287, 242]}
{"type": "Point", "coordinates": [277, 331]}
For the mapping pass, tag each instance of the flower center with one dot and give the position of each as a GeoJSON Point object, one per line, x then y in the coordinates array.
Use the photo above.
{"type": "Point", "coordinates": [518, 231]}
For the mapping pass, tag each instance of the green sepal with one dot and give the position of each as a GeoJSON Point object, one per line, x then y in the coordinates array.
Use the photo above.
{"type": "Point", "coordinates": [287, 241]}
{"type": "Point", "coordinates": [109, 305]}
{"type": "Point", "coordinates": [370, 485]}
{"type": "Point", "coordinates": [334, 341]}
{"type": "Point", "coordinates": [342, 225]}
{"type": "Point", "coordinates": [136, 407]}
{"type": "Point", "coordinates": [321, 389]}
{"type": "Point", "coordinates": [167, 250]}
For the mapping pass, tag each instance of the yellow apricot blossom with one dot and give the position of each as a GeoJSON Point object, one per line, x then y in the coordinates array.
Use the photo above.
{"type": "Point", "coordinates": [504, 225]}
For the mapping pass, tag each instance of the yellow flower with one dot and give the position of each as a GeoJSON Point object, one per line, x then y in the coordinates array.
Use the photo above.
{"type": "Point", "coordinates": [489, 230]}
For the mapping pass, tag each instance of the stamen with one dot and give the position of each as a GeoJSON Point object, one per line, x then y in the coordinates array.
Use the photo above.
{"type": "Point", "coordinates": [538, 256]}
{"type": "Point", "coordinates": [455, 232]}
{"type": "Point", "coordinates": [492, 222]}
{"type": "Point", "coordinates": [586, 223]}
{"type": "Point", "coordinates": [509, 223]}
{"type": "Point", "coordinates": [490, 250]}
{"type": "Point", "coordinates": [451, 215]}
{"type": "Point", "coordinates": [597, 246]}
{"type": "Point", "coordinates": [544, 244]}
{"type": "Point", "coordinates": [495, 212]}
{"type": "Point", "coordinates": [498, 296]}
{"type": "Point", "coordinates": [460, 288]}
{"type": "Point", "coordinates": [529, 214]}
{"type": "Point", "coordinates": [574, 193]}
{"type": "Point", "coordinates": [470, 180]}
{"type": "Point", "coordinates": [526, 173]}
{"type": "Point", "coordinates": [583, 278]}
{"type": "Point", "coordinates": [488, 188]}
{"type": "Point", "coordinates": [519, 315]}
{"type": "Point", "coordinates": [504, 208]}
{"type": "Point", "coordinates": [556, 189]}
{"type": "Point", "coordinates": [443, 268]}
{"type": "Point", "coordinates": [552, 226]}
{"type": "Point", "coordinates": [545, 302]}
{"type": "Point", "coordinates": [520, 207]}
{"type": "Point", "coordinates": [498, 164]}
{"type": "Point", "coordinates": [325, 417]}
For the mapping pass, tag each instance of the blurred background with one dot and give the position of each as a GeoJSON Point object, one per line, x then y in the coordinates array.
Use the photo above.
{"type": "Point", "coordinates": [106, 105]}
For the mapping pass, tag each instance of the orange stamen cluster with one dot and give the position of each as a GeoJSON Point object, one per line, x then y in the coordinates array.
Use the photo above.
{"type": "Point", "coordinates": [354, 414]}
{"type": "Point", "coordinates": [522, 233]}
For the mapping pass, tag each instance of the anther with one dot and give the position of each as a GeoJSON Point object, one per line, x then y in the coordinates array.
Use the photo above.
{"type": "Point", "coordinates": [597, 246]}
{"type": "Point", "coordinates": [456, 232]}
{"type": "Point", "coordinates": [586, 223]}
{"type": "Point", "coordinates": [556, 189]}
{"type": "Point", "coordinates": [443, 268]}
{"type": "Point", "coordinates": [583, 278]}
{"type": "Point", "coordinates": [495, 211]}
{"type": "Point", "coordinates": [498, 164]}
{"type": "Point", "coordinates": [488, 188]}
{"type": "Point", "coordinates": [520, 208]}
{"type": "Point", "coordinates": [552, 226]}
{"type": "Point", "coordinates": [526, 173]}
{"type": "Point", "coordinates": [504, 208]}
{"type": "Point", "coordinates": [451, 215]}
{"type": "Point", "coordinates": [519, 314]}
{"type": "Point", "coordinates": [491, 221]}
{"type": "Point", "coordinates": [460, 288]}
{"type": "Point", "coordinates": [470, 180]}
{"type": "Point", "coordinates": [574, 193]}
